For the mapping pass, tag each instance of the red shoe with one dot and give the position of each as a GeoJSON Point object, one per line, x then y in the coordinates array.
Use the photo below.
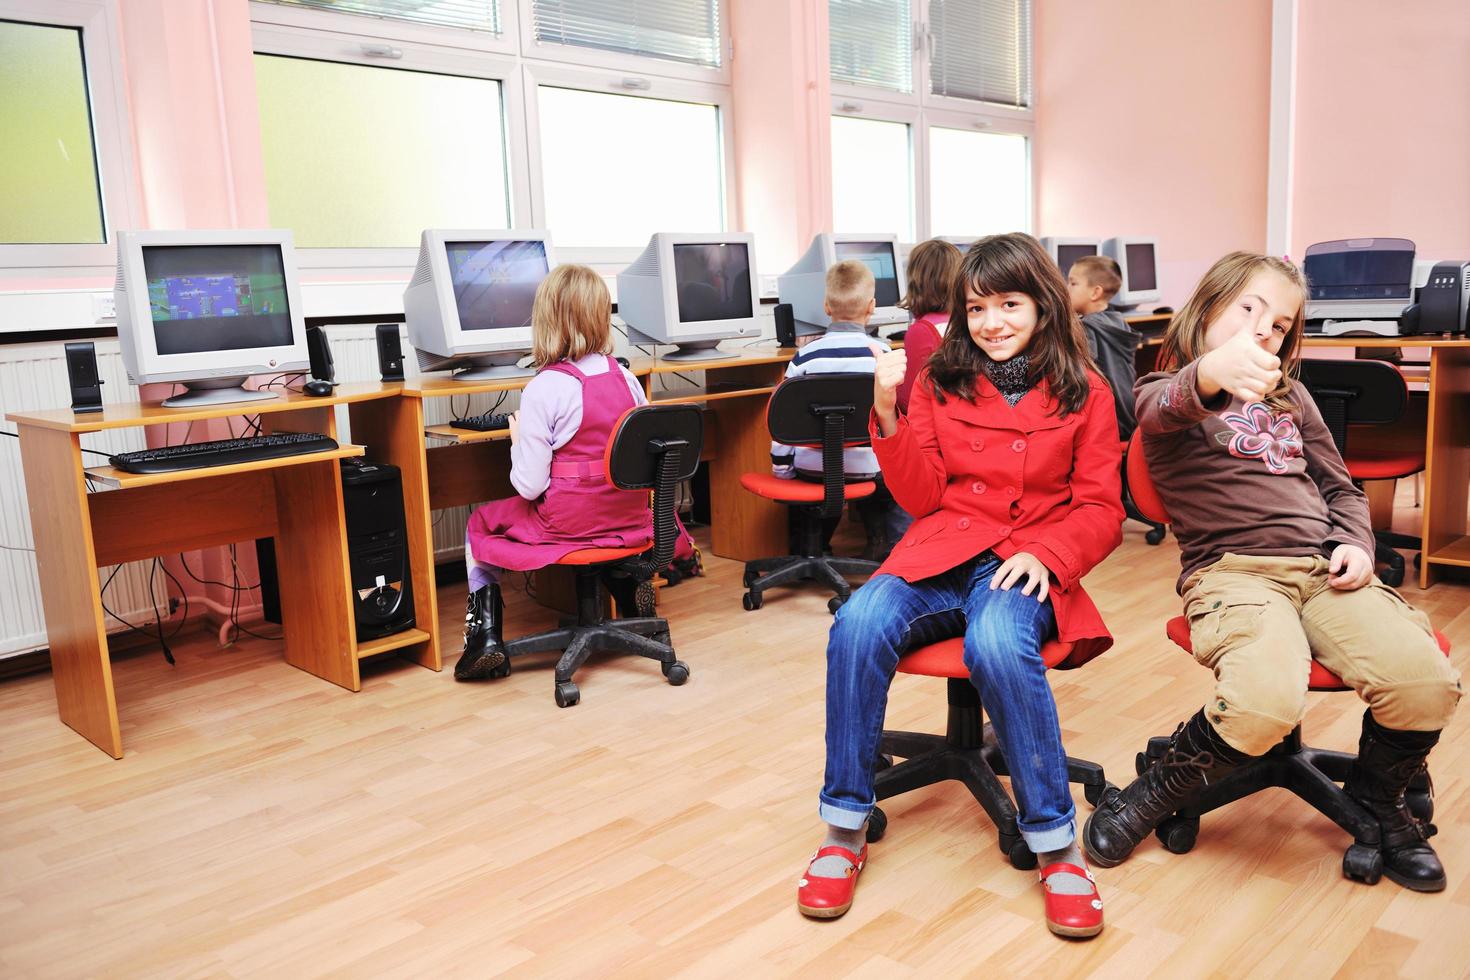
{"type": "Point", "coordinates": [1077, 916]}
{"type": "Point", "coordinates": [827, 898]}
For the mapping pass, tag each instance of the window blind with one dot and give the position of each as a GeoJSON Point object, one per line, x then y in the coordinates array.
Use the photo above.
{"type": "Point", "coordinates": [871, 43]}
{"type": "Point", "coordinates": [470, 15]}
{"type": "Point", "coordinates": [981, 50]}
{"type": "Point", "coordinates": [675, 30]}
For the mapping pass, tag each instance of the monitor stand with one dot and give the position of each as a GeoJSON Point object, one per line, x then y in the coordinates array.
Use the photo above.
{"type": "Point", "coordinates": [499, 366]}
{"type": "Point", "coordinates": [217, 391]}
{"type": "Point", "coordinates": [694, 350]}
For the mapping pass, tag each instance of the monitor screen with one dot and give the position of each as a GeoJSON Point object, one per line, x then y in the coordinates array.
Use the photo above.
{"type": "Point", "coordinates": [1067, 254]}
{"type": "Point", "coordinates": [495, 282]}
{"type": "Point", "coordinates": [216, 297]}
{"type": "Point", "coordinates": [1385, 273]}
{"type": "Point", "coordinates": [713, 281]}
{"type": "Point", "coordinates": [877, 256]}
{"type": "Point", "coordinates": [1141, 272]}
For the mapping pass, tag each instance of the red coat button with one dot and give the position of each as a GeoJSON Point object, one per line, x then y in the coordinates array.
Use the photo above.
{"type": "Point", "coordinates": [977, 444]}
{"type": "Point", "coordinates": [964, 522]}
{"type": "Point", "coordinates": [977, 487]}
{"type": "Point", "coordinates": [1010, 491]}
{"type": "Point", "coordinates": [1019, 445]}
{"type": "Point", "coordinates": [1005, 532]}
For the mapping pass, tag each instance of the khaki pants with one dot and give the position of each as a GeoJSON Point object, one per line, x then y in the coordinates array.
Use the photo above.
{"type": "Point", "coordinates": [1259, 621]}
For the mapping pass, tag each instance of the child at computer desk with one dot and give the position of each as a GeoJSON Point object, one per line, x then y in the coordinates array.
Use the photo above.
{"type": "Point", "coordinates": [1091, 282]}
{"type": "Point", "coordinates": [559, 437]}
{"type": "Point", "coordinates": [1008, 457]}
{"type": "Point", "coordinates": [931, 270]}
{"type": "Point", "coordinates": [844, 347]}
{"type": "Point", "coordinates": [1277, 556]}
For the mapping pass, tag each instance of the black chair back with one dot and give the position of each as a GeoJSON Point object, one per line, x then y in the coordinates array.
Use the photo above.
{"type": "Point", "coordinates": [826, 410]}
{"type": "Point", "coordinates": [655, 447]}
{"type": "Point", "coordinates": [1355, 392]}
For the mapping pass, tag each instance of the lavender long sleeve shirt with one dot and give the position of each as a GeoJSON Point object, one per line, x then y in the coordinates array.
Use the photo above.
{"type": "Point", "coordinates": [550, 414]}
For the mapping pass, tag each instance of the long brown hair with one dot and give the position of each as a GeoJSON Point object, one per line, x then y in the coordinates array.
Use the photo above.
{"type": "Point", "coordinates": [931, 269]}
{"type": "Point", "coordinates": [1184, 342]}
{"type": "Point", "coordinates": [1015, 263]}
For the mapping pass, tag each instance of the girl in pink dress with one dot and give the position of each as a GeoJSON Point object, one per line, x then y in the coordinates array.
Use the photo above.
{"type": "Point", "coordinates": [559, 436]}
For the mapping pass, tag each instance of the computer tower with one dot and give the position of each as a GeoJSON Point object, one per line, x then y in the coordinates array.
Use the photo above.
{"type": "Point", "coordinates": [377, 552]}
{"type": "Point", "coordinates": [377, 548]}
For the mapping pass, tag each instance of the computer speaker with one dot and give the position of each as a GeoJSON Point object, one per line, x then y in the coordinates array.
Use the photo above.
{"type": "Point", "coordinates": [785, 325]}
{"type": "Point", "coordinates": [320, 353]}
{"type": "Point", "coordinates": [390, 353]}
{"type": "Point", "coordinates": [81, 373]}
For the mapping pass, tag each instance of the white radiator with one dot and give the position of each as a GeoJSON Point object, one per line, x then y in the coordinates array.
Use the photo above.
{"type": "Point", "coordinates": [32, 377]}
{"type": "Point", "coordinates": [355, 358]}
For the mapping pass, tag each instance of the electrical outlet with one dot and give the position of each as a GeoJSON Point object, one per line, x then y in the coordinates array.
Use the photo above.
{"type": "Point", "coordinates": [104, 307]}
{"type": "Point", "coordinates": [769, 288]}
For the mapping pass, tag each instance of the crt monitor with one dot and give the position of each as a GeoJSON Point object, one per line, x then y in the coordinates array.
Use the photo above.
{"type": "Point", "coordinates": [804, 285]}
{"type": "Point", "coordinates": [691, 290]}
{"type": "Point", "coordinates": [468, 305]}
{"type": "Point", "coordinates": [1065, 251]}
{"type": "Point", "coordinates": [208, 309]}
{"type": "Point", "coordinates": [1138, 263]}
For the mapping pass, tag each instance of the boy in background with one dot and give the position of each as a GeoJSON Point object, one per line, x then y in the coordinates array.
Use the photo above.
{"type": "Point", "coordinates": [1092, 281]}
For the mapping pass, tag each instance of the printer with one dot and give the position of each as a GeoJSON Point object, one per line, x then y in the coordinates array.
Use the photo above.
{"type": "Point", "coordinates": [1377, 286]}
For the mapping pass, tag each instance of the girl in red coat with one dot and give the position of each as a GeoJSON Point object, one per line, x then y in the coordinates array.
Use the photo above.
{"type": "Point", "coordinates": [1008, 457]}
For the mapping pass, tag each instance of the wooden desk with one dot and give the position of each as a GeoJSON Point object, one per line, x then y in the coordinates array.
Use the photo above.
{"type": "Point", "coordinates": [295, 499]}
{"type": "Point", "coordinates": [1446, 542]}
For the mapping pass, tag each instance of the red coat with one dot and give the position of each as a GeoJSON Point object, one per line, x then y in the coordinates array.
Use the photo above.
{"type": "Point", "coordinates": [988, 476]}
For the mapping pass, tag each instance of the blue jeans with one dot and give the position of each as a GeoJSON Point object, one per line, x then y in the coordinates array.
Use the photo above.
{"type": "Point", "coordinates": [1004, 632]}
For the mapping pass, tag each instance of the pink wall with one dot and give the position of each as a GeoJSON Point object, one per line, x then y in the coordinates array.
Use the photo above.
{"type": "Point", "coordinates": [1152, 119]}
{"type": "Point", "coordinates": [1382, 128]}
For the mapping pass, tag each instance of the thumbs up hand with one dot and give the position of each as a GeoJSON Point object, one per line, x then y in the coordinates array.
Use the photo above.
{"type": "Point", "coordinates": [1240, 366]}
{"type": "Point", "coordinates": [889, 368]}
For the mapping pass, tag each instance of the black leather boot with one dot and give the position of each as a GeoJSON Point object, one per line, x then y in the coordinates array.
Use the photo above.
{"type": "Point", "coordinates": [1387, 761]}
{"type": "Point", "coordinates": [1196, 755]}
{"type": "Point", "coordinates": [484, 653]}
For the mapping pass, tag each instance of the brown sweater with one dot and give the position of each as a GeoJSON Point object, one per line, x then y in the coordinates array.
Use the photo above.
{"type": "Point", "coordinates": [1238, 478]}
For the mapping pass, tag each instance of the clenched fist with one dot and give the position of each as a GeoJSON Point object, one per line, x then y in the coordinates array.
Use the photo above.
{"type": "Point", "coordinates": [889, 368]}
{"type": "Point", "coordinates": [1240, 366]}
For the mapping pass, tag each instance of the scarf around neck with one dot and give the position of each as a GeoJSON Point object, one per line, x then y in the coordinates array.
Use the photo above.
{"type": "Point", "coordinates": [1011, 378]}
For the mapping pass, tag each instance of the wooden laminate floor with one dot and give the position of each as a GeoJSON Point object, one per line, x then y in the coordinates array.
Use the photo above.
{"type": "Point", "coordinates": [265, 823]}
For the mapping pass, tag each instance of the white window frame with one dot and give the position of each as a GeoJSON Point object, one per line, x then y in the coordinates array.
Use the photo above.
{"type": "Point", "coordinates": [111, 140]}
{"type": "Point", "coordinates": [339, 37]}
{"type": "Point", "coordinates": [611, 82]}
{"type": "Point", "coordinates": [923, 110]}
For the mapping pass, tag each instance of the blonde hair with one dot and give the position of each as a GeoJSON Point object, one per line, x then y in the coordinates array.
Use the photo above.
{"type": "Point", "coordinates": [1100, 270]}
{"type": "Point", "coordinates": [931, 270]}
{"type": "Point", "coordinates": [571, 317]}
{"type": "Point", "coordinates": [1184, 342]}
{"type": "Point", "coordinates": [850, 286]}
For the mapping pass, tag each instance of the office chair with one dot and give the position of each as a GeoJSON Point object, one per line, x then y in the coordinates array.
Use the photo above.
{"type": "Point", "coordinates": [653, 446]}
{"type": "Point", "coordinates": [1310, 773]}
{"type": "Point", "coordinates": [967, 752]}
{"type": "Point", "coordinates": [1156, 531]}
{"type": "Point", "coordinates": [1368, 393]}
{"type": "Point", "coordinates": [829, 411]}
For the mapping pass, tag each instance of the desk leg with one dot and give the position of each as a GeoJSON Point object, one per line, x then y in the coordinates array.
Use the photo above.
{"type": "Point", "coordinates": [1447, 464]}
{"type": "Point", "coordinates": [742, 525]}
{"type": "Point", "coordinates": [311, 562]}
{"type": "Point", "coordinates": [393, 431]}
{"type": "Point", "coordinates": [70, 590]}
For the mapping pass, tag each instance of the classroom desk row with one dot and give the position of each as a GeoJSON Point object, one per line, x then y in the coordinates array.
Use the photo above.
{"type": "Point", "coordinates": [298, 501]}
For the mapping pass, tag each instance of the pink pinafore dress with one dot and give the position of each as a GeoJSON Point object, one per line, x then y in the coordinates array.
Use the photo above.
{"type": "Point", "coordinates": [580, 508]}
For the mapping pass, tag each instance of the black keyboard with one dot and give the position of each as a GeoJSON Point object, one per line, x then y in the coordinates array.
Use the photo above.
{"type": "Point", "coordinates": [489, 422]}
{"type": "Point", "coordinates": [222, 452]}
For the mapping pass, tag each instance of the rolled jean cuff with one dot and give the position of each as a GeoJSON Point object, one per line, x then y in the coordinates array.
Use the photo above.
{"type": "Point", "coordinates": [1051, 838]}
{"type": "Point", "coordinates": [843, 815]}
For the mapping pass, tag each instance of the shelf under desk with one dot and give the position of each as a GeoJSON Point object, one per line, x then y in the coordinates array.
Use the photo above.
{"type": "Point", "coordinates": [122, 479]}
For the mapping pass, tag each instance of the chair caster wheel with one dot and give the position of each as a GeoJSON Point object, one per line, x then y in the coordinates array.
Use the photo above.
{"type": "Point", "coordinates": [748, 579]}
{"type": "Point", "coordinates": [835, 603]}
{"type": "Point", "coordinates": [1418, 559]}
{"type": "Point", "coordinates": [877, 825]}
{"type": "Point", "coordinates": [1392, 577]}
{"type": "Point", "coordinates": [751, 601]}
{"type": "Point", "coordinates": [1363, 863]}
{"type": "Point", "coordinates": [567, 694]}
{"type": "Point", "coordinates": [677, 672]}
{"type": "Point", "coordinates": [1154, 535]}
{"type": "Point", "coordinates": [1018, 853]}
{"type": "Point", "coordinates": [1178, 834]}
{"type": "Point", "coordinates": [1093, 793]}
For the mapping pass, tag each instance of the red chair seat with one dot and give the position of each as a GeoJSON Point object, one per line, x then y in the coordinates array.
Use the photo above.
{"type": "Point", "coordinates": [1384, 464]}
{"type": "Point", "coordinates": [596, 556]}
{"type": "Point", "coordinates": [947, 658]}
{"type": "Point", "coordinates": [1321, 679]}
{"type": "Point", "coordinates": [799, 491]}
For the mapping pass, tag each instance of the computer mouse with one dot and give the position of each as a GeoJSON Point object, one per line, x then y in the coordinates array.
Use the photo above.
{"type": "Point", "coordinates": [317, 387]}
{"type": "Point", "coordinates": [1159, 310]}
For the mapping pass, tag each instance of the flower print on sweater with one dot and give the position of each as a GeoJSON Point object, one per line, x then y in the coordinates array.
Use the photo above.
{"type": "Point", "coordinates": [1255, 433]}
